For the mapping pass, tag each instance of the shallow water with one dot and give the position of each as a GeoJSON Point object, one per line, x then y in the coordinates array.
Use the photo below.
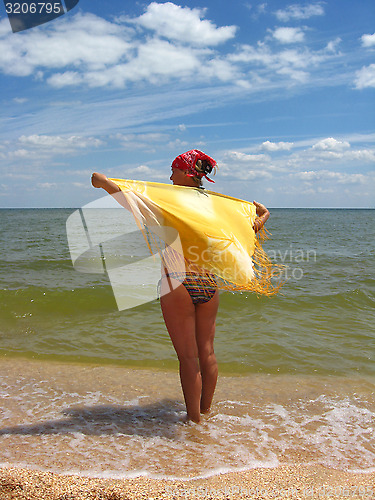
{"type": "Point", "coordinates": [296, 370]}
{"type": "Point", "coordinates": [116, 422]}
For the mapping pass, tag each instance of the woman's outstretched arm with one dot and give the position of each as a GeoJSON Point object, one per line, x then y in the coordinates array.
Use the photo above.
{"type": "Point", "coordinates": [102, 181]}
{"type": "Point", "coordinates": [262, 216]}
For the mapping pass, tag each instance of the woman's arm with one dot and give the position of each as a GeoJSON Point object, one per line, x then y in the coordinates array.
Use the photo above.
{"type": "Point", "coordinates": [262, 216]}
{"type": "Point", "coordinates": [102, 181]}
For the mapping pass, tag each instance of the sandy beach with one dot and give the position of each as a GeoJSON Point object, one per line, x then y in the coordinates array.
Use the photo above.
{"type": "Point", "coordinates": [290, 482]}
{"type": "Point", "coordinates": [89, 436]}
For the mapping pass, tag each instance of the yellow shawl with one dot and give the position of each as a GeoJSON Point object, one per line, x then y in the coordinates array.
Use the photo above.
{"type": "Point", "coordinates": [207, 231]}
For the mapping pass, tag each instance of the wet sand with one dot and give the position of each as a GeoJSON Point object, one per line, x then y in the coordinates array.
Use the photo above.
{"type": "Point", "coordinates": [67, 420]}
{"type": "Point", "coordinates": [290, 482]}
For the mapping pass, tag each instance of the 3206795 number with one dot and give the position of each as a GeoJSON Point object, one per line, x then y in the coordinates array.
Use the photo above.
{"type": "Point", "coordinates": [33, 8]}
{"type": "Point", "coordinates": [26, 14]}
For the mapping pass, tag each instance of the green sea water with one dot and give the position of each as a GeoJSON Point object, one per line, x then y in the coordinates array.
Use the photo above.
{"type": "Point", "coordinates": [322, 321]}
{"type": "Point", "coordinates": [88, 389]}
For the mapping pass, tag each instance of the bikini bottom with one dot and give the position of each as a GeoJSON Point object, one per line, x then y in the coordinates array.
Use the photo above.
{"type": "Point", "coordinates": [200, 287]}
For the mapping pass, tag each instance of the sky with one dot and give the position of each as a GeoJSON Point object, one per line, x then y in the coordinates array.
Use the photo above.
{"type": "Point", "coordinates": [281, 94]}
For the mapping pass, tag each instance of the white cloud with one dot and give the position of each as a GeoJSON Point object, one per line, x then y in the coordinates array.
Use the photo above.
{"type": "Point", "coordinates": [297, 11]}
{"type": "Point", "coordinates": [222, 70]}
{"type": "Point", "coordinates": [19, 176]}
{"type": "Point", "coordinates": [65, 79]}
{"type": "Point", "coordinates": [142, 141]}
{"type": "Point", "coordinates": [19, 153]}
{"type": "Point", "coordinates": [59, 143]}
{"type": "Point", "coordinates": [43, 147]}
{"type": "Point", "coordinates": [368, 40]}
{"type": "Point", "coordinates": [276, 146]}
{"type": "Point", "coordinates": [320, 165]}
{"type": "Point", "coordinates": [327, 175]}
{"type": "Point", "coordinates": [47, 185]}
{"type": "Point", "coordinates": [331, 144]}
{"type": "Point", "coordinates": [236, 164]}
{"type": "Point", "coordinates": [254, 175]}
{"type": "Point", "coordinates": [166, 43]}
{"type": "Point", "coordinates": [142, 169]}
{"type": "Point", "coordinates": [85, 40]}
{"type": "Point", "coordinates": [183, 24]}
{"type": "Point", "coordinates": [296, 154]}
{"type": "Point", "coordinates": [340, 158]}
{"type": "Point", "coordinates": [245, 158]}
{"type": "Point", "coordinates": [288, 35]}
{"type": "Point", "coordinates": [293, 74]}
{"type": "Point", "coordinates": [161, 59]}
{"type": "Point", "coordinates": [365, 77]}
{"type": "Point", "coordinates": [20, 100]}
{"type": "Point", "coordinates": [267, 64]}
{"type": "Point", "coordinates": [364, 155]}
{"type": "Point", "coordinates": [257, 10]}
{"type": "Point", "coordinates": [332, 46]}
{"type": "Point", "coordinates": [177, 144]}
{"type": "Point", "coordinates": [329, 153]}
{"type": "Point", "coordinates": [147, 137]}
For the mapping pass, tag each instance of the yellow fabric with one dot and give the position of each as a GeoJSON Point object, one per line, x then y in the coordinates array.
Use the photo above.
{"type": "Point", "coordinates": [215, 232]}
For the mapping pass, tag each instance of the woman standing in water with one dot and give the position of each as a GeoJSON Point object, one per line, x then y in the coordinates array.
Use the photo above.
{"type": "Point", "coordinates": [190, 307]}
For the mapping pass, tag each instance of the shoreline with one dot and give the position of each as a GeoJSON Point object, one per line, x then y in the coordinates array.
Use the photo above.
{"type": "Point", "coordinates": [102, 421]}
{"type": "Point", "coordinates": [285, 481]}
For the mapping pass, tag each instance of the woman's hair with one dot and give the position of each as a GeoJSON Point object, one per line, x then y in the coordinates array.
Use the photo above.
{"type": "Point", "coordinates": [202, 167]}
{"type": "Point", "coordinates": [196, 164]}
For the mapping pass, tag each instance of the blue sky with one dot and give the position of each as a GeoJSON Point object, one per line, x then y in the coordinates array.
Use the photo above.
{"type": "Point", "coordinates": [281, 94]}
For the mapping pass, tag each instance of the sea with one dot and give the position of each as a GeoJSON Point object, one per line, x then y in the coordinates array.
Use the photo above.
{"type": "Point", "coordinates": [89, 388]}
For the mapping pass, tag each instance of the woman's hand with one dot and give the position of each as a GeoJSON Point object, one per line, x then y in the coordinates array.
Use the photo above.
{"type": "Point", "coordinates": [262, 213]}
{"type": "Point", "coordinates": [260, 209]}
{"type": "Point", "coordinates": [102, 181]}
{"type": "Point", "coordinates": [98, 180]}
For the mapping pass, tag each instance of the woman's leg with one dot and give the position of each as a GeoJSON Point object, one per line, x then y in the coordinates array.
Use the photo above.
{"type": "Point", "coordinates": [179, 316]}
{"type": "Point", "coordinates": [205, 317]}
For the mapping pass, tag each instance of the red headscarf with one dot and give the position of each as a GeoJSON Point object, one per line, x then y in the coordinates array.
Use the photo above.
{"type": "Point", "coordinates": [187, 161]}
